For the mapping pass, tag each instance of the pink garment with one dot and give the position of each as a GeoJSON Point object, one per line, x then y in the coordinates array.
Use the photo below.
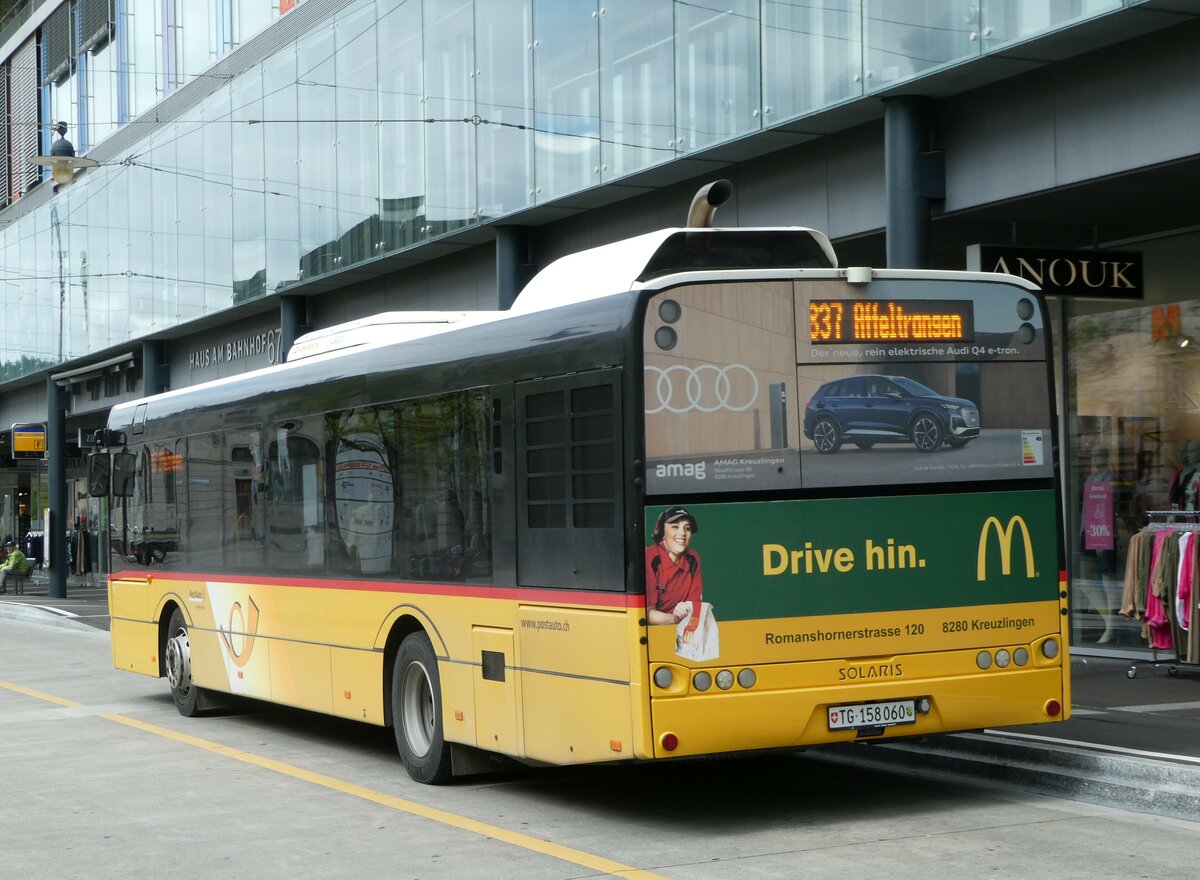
{"type": "Point", "coordinates": [1157, 624]}
{"type": "Point", "coordinates": [1183, 592]}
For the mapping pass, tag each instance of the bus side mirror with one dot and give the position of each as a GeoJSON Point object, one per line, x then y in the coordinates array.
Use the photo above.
{"type": "Point", "coordinates": [99, 472]}
{"type": "Point", "coordinates": [124, 468]}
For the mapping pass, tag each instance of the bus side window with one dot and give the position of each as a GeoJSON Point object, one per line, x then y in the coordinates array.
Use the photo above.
{"type": "Point", "coordinates": [569, 486]}
{"type": "Point", "coordinates": [361, 490]}
{"type": "Point", "coordinates": [242, 525]}
{"type": "Point", "coordinates": [295, 510]}
{"type": "Point", "coordinates": [203, 538]}
{"type": "Point", "coordinates": [445, 477]}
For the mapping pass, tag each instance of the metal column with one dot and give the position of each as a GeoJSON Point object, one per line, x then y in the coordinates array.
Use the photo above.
{"type": "Point", "coordinates": [55, 541]}
{"type": "Point", "coordinates": [293, 323]}
{"type": "Point", "coordinates": [156, 373]}
{"type": "Point", "coordinates": [513, 269]}
{"type": "Point", "coordinates": [914, 176]}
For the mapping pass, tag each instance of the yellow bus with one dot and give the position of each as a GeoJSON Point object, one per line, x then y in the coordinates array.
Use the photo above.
{"type": "Point", "coordinates": [698, 492]}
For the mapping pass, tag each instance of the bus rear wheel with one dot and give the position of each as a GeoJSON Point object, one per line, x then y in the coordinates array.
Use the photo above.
{"type": "Point", "coordinates": [417, 711]}
{"type": "Point", "coordinates": [178, 662]}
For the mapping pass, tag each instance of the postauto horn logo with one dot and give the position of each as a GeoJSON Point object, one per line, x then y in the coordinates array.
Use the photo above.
{"type": "Point", "coordinates": [1004, 538]}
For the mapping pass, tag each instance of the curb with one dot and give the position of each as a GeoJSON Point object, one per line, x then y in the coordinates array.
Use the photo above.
{"type": "Point", "coordinates": [40, 616]}
{"type": "Point", "coordinates": [1161, 787]}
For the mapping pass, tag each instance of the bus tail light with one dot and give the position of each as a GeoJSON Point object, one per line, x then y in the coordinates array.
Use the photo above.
{"type": "Point", "coordinates": [662, 677]}
{"type": "Point", "coordinates": [1053, 708]}
{"type": "Point", "coordinates": [1050, 649]}
{"type": "Point", "coordinates": [669, 742]}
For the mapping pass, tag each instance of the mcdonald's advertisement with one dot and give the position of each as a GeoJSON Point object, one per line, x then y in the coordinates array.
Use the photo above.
{"type": "Point", "coordinates": [860, 576]}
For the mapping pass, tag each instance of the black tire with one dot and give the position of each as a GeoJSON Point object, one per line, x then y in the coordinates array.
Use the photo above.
{"type": "Point", "coordinates": [417, 711]}
{"type": "Point", "coordinates": [927, 432]}
{"type": "Point", "coordinates": [864, 444]}
{"type": "Point", "coordinates": [825, 436]}
{"type": "Point", "coordinates": [177, 658]}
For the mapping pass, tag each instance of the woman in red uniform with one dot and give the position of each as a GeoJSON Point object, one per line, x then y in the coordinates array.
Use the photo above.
{"type": "Point", "coordinates": [673, 571]}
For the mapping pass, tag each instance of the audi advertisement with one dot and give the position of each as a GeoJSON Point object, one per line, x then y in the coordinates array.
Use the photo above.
{"type": "Point", "coordinates": [807, 384]}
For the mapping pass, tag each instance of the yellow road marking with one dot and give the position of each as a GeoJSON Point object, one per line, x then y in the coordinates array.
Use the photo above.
{"type": "Point", "coordinates": [30, 692]}
{"type": "Point", "coordinates": [525, 841]}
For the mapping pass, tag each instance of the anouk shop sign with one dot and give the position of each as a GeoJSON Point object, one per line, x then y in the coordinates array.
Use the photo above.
{"type": "Point", "coordinates": [1095, 274]}
{"type": "Point", "coordinates": [240, 348]}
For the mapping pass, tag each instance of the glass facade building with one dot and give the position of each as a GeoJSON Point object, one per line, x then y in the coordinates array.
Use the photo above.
{"type": "Point", "coordinates": [228, 175]}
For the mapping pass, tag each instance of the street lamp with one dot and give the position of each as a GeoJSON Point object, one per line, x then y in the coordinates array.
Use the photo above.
{"type": "Point", "coordinates": [62, 160]}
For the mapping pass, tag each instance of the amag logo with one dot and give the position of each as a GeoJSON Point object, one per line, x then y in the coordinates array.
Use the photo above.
{"type": "Point", "coordinates": [1004, 538]}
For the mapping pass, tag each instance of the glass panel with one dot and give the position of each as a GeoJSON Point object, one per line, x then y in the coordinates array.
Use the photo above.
{"type": "Point", "coordinates": [92, 261]}
{"type": "Point", "coordinates": [401, 136]}
{"type": "Point", "coordinates": [250, 17]}
{"type": "Point", "coordinates": [113, 219]}
{"type": "Point", "coordinates": [716, 71]}
{"type": "Point", "coordinates": [1006, 21]}
{"type": "Point", "coordinates": [141, 254]}
{"type": "Point", "coordinates": [189, 156]}
{"type": "Point", "coordinates": [449, 100]}
{"type": "Point", "coordinates": [317, 106]}
{"type": "Point", "coordinates": [102, 93]}
{"type": "Point", "coordinates": [358, 136]}
{"type": "Point", "coordinates": [566, 98]}
{"type": "Point", "coordinates": [64, 107]}
{"type": "Point", "coordinates": [144, 54]}
{"type": "Point", "coordinates": [812, 55]}
{"type": "Point", "coordinates": [164, 241]}
{"type": "Point", "coordinates": [218, 200]}
{"type": "Point", "coordinates": [196, 36]}
{"type": "Point", "coordinates": [248, 174]}
{"type": "Point", "coordinates": [909, 37]}
{"type": "Point", "coordinates": [504, 100]}
{"type": "Point", "coordinates": [281, 175]}
{"type": "Point", "coordinates": [637, 98]}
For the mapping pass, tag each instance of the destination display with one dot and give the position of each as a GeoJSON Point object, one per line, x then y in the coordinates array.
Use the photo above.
{"type": "Point", "coordinates": [833, 321]}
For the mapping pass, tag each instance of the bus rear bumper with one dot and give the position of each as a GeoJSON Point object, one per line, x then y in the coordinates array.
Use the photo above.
{"type": "Point", "coordinates": [746, 720]}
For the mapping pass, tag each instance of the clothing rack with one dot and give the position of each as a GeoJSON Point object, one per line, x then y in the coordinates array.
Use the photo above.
{"type": "Point", "coordinates": [1175, 520]}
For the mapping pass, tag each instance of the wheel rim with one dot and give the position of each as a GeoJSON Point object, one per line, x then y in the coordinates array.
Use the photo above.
{"type": "Point", "coordinates": [417, 710]}
{"type": "Point", "coordinates": [823, 435]}
{"type": "Point", "coordinates": [927, 434]}
{"type": "Point", "coordinates": [179, 662]}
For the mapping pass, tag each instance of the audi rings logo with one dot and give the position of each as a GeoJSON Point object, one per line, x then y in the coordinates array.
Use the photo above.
{"type": "Point", "coordinates": [706, 388]}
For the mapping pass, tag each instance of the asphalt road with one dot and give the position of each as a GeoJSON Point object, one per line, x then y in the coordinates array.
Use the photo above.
{"type": "Point", "coordinates": [103, 779]}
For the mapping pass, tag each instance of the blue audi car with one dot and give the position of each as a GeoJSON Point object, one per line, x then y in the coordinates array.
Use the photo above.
{"type": "Point", "coordinates": [865, 410]}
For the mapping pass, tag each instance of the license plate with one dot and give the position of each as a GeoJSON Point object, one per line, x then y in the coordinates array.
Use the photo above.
{"type": "Point", "coordinates": [872, 715]}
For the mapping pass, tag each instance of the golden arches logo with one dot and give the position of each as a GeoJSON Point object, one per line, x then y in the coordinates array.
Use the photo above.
{"type": "Point", "coordinates": [1004, 537]}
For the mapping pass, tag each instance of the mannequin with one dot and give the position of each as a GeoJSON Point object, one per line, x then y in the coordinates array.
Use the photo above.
{"type": "Point", "coordinates": [1186, 486]}
{"type": "Point", "coordinates": [1098, 554]}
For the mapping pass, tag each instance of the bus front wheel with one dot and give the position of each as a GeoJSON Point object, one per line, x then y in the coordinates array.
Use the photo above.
{"type": "Point", "coordinates": [178, 654]}
{"type": "Point", "coordinates": [416, 711]}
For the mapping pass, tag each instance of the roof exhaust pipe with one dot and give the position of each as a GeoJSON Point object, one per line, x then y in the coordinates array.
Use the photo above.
{"type": "Point", "coordinates": [706, 201]}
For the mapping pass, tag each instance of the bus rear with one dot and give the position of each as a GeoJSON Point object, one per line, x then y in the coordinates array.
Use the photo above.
{"type": "Point", "coordinates": [851, 515]}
